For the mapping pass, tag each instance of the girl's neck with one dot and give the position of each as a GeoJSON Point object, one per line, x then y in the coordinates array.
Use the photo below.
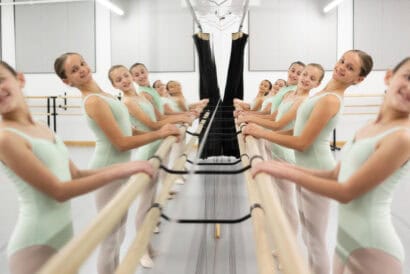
{"type": "Point", "coordinates": [91, 87]}
{"type": "Point", "coordinates": [336, 87]}
{"type": "Point", "coordinates": [130, 93]}
{"type": "Point", "coordinates": [302, 92]}
{"type": "Point", "coordinates": [20, 115]}
{"type": "Point", "coordinates": [388, 114]}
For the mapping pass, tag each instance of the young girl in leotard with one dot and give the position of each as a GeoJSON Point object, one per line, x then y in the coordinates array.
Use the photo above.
{"type": "Point", "coordinates": [109, 119]}
{"type": "Point", "coordinates": [265, 86]}
{"type": "Point", "coordinates": [316, 118]}
{"type": "Point", "coordinates": [363, 182]}
{"type": "Point", "coordinates": [142, 115]}
{"type": "Point", "coordinates": [37, 162]}
{"type": "Point", "coordinates": [310, 78]}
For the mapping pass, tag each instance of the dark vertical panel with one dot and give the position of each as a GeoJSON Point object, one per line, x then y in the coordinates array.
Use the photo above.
{"type": "Point", "coordinates": [233, 89]}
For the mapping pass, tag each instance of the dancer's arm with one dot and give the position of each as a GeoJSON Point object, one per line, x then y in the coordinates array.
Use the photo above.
{"type": "Point", "coordinates": [16, 154]}
{"type": "Point", "coordinates": [395, 147]}
{"type": "Point", "coordinates": [274, 125]}
{"type": "Point", "coordinates": [323, 111]}
{"type": "Point", "coordinates": [101, 113]}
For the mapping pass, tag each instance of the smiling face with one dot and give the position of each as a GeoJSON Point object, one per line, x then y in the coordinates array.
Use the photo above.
{"type": "Point", "coordinates": [77, 72]}
{"type": "Point", "coordinates": [264, 87]}
{"type": "Point", "coordinates": [140, 75]}
{"type": "Point", "coordinates": [174, 88]}
{"type": "Point", "coordinates": [280, 83]}
{"type": "Point", "coordinates": [348, 69]}
{"type": "Point", "coordinates": [160, 88]}
{"type": "Point", "coordinates": [398, 91]}
{"type": "Point", "coordinates": [310, 77]}
{"type": "Point", "coordinates": [11, 95]}
{"type": "Point", "coordinates": [293, 74]}
{"type": "Point", "coordinates": [121, 79]}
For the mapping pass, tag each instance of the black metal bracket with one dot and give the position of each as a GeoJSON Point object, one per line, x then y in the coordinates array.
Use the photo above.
{"type": "Point", "coordinates": [212, 221]}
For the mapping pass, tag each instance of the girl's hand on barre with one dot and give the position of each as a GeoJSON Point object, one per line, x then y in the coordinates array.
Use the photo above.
{"type": "Point", "coordinates": [125, 170]}
{"type": "Point", "coordinates": [189, 118]}
{"type": "Point", "coordinates": [244, 119]}
{"type": "Point", "coordinates": [168, 130]}
{"type": "Point", "coordinates": [252, 130]}
{"type": "Point", "coordinates": [195, 112]}
{"type": "Point", "coordinates": [274, 168]}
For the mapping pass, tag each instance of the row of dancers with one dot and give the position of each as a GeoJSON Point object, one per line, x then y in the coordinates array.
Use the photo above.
{"type": "Point", "coordinates": [37, 161]}
{"type": "Point", "coordinates": [295, 137]}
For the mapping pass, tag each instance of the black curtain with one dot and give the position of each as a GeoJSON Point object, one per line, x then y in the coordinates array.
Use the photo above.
{"type": "Point", "coordinates": [208, 88]}
{"type": "Point", "coordinates": [233, 89]}
{"type": "Point", "coordinates": [222, 136]}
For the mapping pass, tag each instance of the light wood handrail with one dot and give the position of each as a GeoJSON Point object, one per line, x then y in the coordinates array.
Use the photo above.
{"type": "Point", "coordinates": [74, 253]}
{"type": "Point", "coordinates": [278, 224]}
{"type": "Point", "coordinates": [140, 243]}
{"type": "Point", "coordinates": [263, 250]}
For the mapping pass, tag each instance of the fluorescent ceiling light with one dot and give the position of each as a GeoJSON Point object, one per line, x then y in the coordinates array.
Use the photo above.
{"type": "Point", "coordinates": [331, 5]}
{"type": "Point", "coordinates": [32, 2]}
{"type": "Point", "coordinates": [108, 4]}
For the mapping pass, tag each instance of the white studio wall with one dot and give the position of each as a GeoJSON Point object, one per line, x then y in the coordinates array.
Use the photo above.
{"type": "Point", "coordinates": [74, 128]}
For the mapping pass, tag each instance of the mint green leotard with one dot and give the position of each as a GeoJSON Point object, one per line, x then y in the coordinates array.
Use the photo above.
{"type": "Point", "coordinates": [366, 221]}
{"type": "Point", "coordinates": [267, 101]}
{"type": "Point", "coordinates": [155, 97]}
{"type": "Point", "coordinates": [146, 151]}
{"type": "Point", "coordinates": [42, 220]}
{"type": "Point", "coordinates": [314, 208]}
{"type": "Point", "coordinates": [171, 103]}
{"type": "Point", "coordinates": [318, 155]}
{"type": "Point", "coordinates": [105, 153]}
{"type": "Point", "coordinates": [278, 151]}
{"type": "Point", "coordinates": [277, 99]}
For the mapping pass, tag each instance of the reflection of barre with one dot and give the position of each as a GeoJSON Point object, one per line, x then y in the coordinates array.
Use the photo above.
{"type": "Point", "coordinates": [276, 219]}
{"type": "Point", "coordinates": [263, 250]}
{"type": "Point", "coordinates": [74, 253]}
{"type": "Point", "coordinates": [145, 231]}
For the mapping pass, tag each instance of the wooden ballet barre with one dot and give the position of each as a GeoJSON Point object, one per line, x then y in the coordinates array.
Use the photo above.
{"type": "Point", "coordinates": [70, 114]}
{"type": "Point", "coordinates": [263, 250]}
{"type": "Point", "coordinates": [365, 95]}
{"type": "Point", "coordinates": [359, 113]}
{"type": "Point", "coordinates": [358, 106]}
{"type": "Point", "coordinates": [37, 106]}
{"type": "Point", "coordinates": [69, 259]}
{"type": "Point", "coordinates": [278, 224]}
{"type": "Point", "coordinates": [68, 106]}
{"type": "Point", "coordinates": [69, 97]}
{"type": "Point", "coordinates": [39, 97]}
{"type": "Point", "coordinates": [41, 114]}
{"type": "Point", "coordinates": [140, 244]}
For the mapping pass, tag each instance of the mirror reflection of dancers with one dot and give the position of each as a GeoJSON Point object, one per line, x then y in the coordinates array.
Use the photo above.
{"type": "Point", "coordinates": [109, 119]}
{"type": "Point", "coordinates": [363, 182]}
{"type": "Point", "coordinates": [143, 118]}
{"type": "Point", "coordinates": [37, 162]}
{"type": "Point", "coordinates": [316, 118]}
{"type": "Point", "coordinates": [310, 78]}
